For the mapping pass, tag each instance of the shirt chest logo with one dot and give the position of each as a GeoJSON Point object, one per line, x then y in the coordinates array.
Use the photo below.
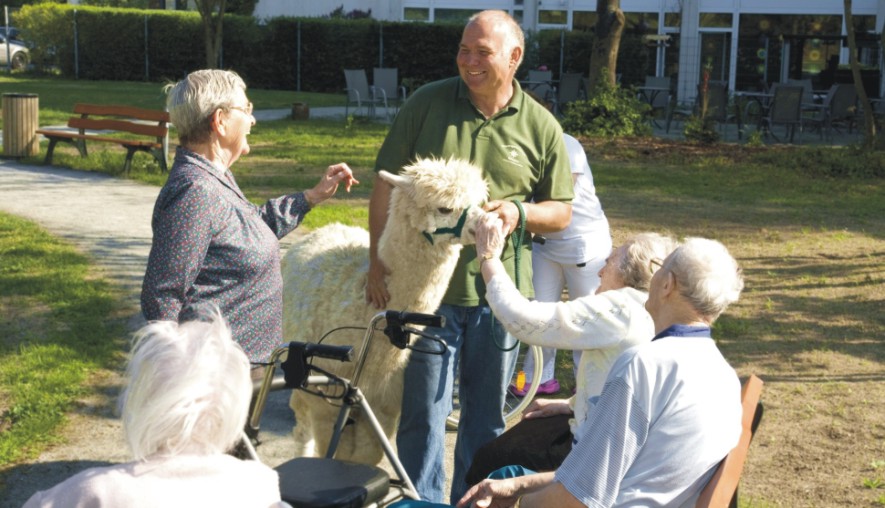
{"type": "Point", "coordinates": [514, 155]}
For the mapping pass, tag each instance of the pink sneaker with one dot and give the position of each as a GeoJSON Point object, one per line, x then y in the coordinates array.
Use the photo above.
{"type": "Point", "coordinates": [546, 388]}
{"type": "Point", "coordinates": [549, 387]}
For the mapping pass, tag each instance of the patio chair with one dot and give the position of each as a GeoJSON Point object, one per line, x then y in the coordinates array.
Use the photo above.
{"type": "Point", "coordinates": [540, 83]}
{"type": "Point", "coordinates": [568, 90]}
{"type": "Point", "coordinates": [721, 490]}
{"type": "Point", "coordinates": [785, 109]}
{"type": "Point", "coordinates": [839, 108]}
{"type": "Point", "coordinates": [359, 93]}
{"type": "Point", "coordinates": [656, 93]}
{"type": "Point", "coordinates": [807, 90]}
{"type": "Point", "coordinates": [385, 81]}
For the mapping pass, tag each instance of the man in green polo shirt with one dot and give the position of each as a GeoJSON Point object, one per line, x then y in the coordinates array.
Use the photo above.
{"type": "Point", "coordinates": [482, 116]}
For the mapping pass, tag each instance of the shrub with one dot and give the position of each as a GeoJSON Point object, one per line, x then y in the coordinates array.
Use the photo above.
{"type": "Point", "coordinates": [609, 111]}
{"type": "Point", "coordinates": [701, 129]}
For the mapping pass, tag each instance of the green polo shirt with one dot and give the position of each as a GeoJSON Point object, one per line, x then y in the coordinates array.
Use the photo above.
{"type": "Point", "coordinates": [520, 151]}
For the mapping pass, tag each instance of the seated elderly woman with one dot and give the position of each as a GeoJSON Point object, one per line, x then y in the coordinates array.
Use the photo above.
{"type": "Point", "coordinates": [602, 325]}
{"type": "Point", "coordinates": [184, 406]}
{"type": "Point", "coordinates": [670, 409]}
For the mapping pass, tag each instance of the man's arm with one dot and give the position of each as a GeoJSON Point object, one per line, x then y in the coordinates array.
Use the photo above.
{"type": "Point", "coordinates": [543, 217]}
{"type": "Point", "coordinates": [553, 494]}
{"type": "Point", "coordinates": [504, 493]}
{"type": "Point", "coordinates": [376, 287]}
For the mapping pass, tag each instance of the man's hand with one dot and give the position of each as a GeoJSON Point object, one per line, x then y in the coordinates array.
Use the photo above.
{"type": "Point", "coordinates": [506, 211]}
{"type": "Point", "coordinates": [491, 494]}
{"type": "Point", "coordinates": [376, 286]}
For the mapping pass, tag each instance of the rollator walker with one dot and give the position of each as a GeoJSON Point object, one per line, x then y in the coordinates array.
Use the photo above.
{"type": "Point", "coordinates": [327, 482]}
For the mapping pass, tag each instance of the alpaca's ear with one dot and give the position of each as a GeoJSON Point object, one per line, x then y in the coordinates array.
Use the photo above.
{"type": "Point", "coordinates": [396, 180]}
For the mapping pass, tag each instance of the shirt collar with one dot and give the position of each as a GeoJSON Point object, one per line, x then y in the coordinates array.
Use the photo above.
{"type": "Point", "coordinates": [684, 331]}
{"type": "Point", "coordinates": [218, 171]}
{"type": "Point", "coordinates": [513, 106]}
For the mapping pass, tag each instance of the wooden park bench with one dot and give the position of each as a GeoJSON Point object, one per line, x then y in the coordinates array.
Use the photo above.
{"type": "Point", "coordinates": [95, 122]}
{"type": "Point", "coordinates": [721, 491]}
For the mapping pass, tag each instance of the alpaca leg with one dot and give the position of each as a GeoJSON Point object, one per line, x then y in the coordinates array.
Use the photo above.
{"type": "Point", "coordinates": [314, 421]}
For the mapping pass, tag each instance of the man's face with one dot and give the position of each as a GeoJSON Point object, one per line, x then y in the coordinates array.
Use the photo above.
{"type": "Point", "coordinates": [484, 62]}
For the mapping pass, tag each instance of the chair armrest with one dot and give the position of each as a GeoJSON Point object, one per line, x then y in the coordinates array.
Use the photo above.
{"type": "Point", "coordinates": [378, 92]}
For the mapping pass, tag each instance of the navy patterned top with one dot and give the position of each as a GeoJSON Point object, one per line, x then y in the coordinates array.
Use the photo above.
{"type": "Point", "coordinates": [211, 245]}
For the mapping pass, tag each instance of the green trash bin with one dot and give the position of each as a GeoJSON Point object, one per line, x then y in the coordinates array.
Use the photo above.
{"type": "Point", "coordinates": [21, 114]}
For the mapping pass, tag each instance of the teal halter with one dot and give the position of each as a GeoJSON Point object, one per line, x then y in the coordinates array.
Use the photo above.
{"type": "Point", "coordinates": [455, 230]}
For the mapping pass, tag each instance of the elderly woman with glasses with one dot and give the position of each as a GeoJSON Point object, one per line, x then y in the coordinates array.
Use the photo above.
{"type": "Point", "coordinates": [601, 325]}
{"type": "Point", "coordinates": [211, 244]}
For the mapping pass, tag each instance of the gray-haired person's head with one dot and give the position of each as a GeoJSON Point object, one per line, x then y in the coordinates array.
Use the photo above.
{"type": "Point", "coordinates": [644, 253]}
{"type": "Point", "coordinates": [192, 101]}
{"type": "Point", "coordinates": [188, 389]}
{"type": "Point", "coordinates": [514, 36]}
{"type": "Point", "coordinates": [706, 274]}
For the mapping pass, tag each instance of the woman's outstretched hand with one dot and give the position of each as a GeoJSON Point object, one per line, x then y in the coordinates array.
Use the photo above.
{"type": "Point", "coordinates": [336, 174]}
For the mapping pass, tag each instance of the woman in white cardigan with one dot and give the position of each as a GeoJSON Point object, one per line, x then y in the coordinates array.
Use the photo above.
{"type": "Point", "coordinates": [602, 325]}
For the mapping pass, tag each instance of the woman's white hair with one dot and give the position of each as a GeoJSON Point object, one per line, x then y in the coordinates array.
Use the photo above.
{"type": "Point", "coordinates": [188, 389]}
{"type": "Point", "coordinates": [707, 275]}
{"type": "Point", "coordinates": [192, 101]}
{"type": "Point", "coordinates": [636, 265]}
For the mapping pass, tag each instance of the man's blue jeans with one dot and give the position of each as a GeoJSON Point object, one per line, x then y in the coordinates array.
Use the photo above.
{"type": "Point", "coordinates": [484, 373]}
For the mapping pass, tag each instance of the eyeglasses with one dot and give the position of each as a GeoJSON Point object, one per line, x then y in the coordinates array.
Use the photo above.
{"type": "Point", "coordinates": [654, 264]}
{"type": "Point", "coordinates": [245, 109]}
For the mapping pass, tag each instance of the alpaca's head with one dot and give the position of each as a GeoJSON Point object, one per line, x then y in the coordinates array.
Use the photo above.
{"type": "Point", "coordinates": [442, 198]}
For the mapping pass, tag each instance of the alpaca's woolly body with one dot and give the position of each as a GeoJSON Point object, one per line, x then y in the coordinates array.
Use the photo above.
{"type": "Point", "coordinates": [325, 278]}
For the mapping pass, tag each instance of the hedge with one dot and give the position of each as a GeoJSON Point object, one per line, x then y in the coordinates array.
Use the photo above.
{"type": "Point", "coordinates": [157, 45]}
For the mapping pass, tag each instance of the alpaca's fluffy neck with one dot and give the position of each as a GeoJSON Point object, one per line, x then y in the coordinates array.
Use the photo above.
{"type": "Point", "coordinates": [419, 271]}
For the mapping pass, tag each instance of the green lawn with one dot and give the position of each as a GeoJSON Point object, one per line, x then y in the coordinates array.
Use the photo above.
{"type": "Point", "coordinates": [58, 96]}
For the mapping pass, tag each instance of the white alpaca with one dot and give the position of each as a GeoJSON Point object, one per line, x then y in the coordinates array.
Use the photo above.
{"type": "Point", "coordinates": [324, 278]}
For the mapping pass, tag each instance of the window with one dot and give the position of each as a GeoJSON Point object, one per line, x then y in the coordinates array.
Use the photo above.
{"type": "Point", "coordinates": [715, 20]}
{"type": "Point", "coordinates": [641, 22]}
{"type": "Point", "coordinates": [584, 20]}
{"type": "Point", "coordinates": [553, 17]}
{"type": "Point", "coordinates": [453, 15]}
{"type": "Point", "coordinates": [416, 14]}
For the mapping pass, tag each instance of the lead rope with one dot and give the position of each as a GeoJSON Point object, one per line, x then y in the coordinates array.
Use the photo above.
{"type": "Point", "coordinates": [517, 259]}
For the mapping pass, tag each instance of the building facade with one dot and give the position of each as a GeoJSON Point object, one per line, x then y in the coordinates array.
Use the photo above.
{"type": "Point", "coordinates": [743, 42]}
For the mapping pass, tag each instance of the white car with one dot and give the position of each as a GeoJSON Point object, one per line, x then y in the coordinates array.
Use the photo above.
{"type": "Point", "coordinates": [13, 52]}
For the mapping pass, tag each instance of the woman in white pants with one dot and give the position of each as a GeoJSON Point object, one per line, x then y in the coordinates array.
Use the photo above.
{"type": "Point", "coordinates": [569, 258]}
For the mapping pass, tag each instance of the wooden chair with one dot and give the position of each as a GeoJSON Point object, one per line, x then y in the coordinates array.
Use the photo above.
{"type": "Point", "coordinates": [721, 491]}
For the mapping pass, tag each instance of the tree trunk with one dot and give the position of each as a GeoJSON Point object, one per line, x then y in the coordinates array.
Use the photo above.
{"type": "Point", "coordinates": [212, 14]}
{"type": "Point", "coordinates": [863, 100]}
{"type": "Point", "coordinates": [604, 57]}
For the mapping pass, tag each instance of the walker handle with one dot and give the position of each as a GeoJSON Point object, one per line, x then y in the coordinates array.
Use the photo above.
{"type": "Point", "coordinates": [415, 318]}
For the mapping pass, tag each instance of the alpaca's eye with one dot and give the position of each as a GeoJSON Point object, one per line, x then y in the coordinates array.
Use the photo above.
{"type": "Point", "coordinates": [444, 211]}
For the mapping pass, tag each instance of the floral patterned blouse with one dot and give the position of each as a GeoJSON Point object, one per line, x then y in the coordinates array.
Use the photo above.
{"type": "Point", "coordinates": [211, 245]}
